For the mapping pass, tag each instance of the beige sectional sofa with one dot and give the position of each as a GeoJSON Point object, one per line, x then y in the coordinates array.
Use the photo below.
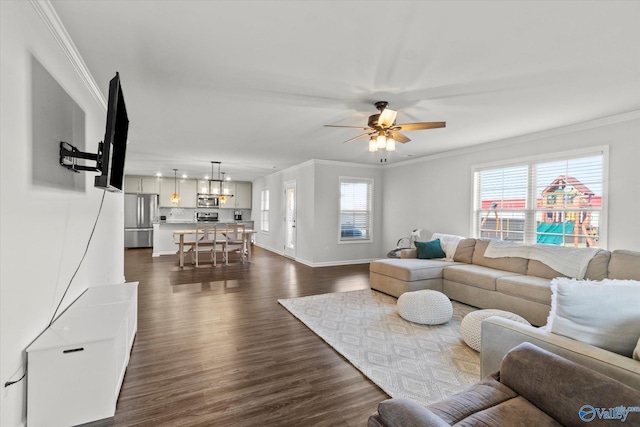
{"type": "Point", "coordinates": [518, 285]}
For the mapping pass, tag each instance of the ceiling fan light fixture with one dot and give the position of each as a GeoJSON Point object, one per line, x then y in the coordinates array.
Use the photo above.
{"type": "Point", "coordinates": [373, 145]}
{"type": "Point", "coordinates": [391, 144]}
{"type": "Point", "coordinates": [383, 130]}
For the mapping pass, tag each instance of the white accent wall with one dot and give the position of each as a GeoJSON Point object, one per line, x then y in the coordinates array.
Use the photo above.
{"type": "Point", "coordinates": [43, 231]}
{"type": "Point", "coordinates": [435, 193]}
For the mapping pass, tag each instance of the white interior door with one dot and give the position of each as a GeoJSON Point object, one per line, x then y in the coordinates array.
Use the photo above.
{"type": "Point", "coordinates": [290, 219]}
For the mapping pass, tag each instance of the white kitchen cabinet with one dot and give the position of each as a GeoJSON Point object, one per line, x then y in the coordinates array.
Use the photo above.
{"type": "Point", "coordinates": [241, 195]}
{"type": "Point", "coordinates": [187, 188]}
{"type": "Point", "coordinates": [166, 190]}
{"type": "Point", "coordinates": [77, 365]}
{"type": "Point", "coordinates": [142, 185]}
{"type": "Point", "coordinates": [188, 193]}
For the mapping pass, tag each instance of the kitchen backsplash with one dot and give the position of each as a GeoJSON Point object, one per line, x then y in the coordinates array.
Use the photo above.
{"type": "Point", "coordinates": [189, 214]}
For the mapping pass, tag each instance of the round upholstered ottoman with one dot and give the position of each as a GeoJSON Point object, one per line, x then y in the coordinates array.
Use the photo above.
{"type": "Point", "coordinates": [425, 307]}
{"type": "Point", "coordinates": [471, 326]}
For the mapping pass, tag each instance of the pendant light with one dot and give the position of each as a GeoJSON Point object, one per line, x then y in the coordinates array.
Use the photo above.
{"type": "Point", "coordinates": [175, 197]}
{"type": "Point", "coordinates": [222, 193]}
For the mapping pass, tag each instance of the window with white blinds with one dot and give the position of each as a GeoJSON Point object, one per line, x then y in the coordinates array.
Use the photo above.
{"type": "Point", "coordinates": [355, 209]}
{"type": "Point", "coordinates": [557, 202]}
{"type": "Point", "coordinates": [264, 210]}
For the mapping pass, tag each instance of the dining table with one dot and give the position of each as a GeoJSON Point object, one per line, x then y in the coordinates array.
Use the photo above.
{"type": "Point", "coordinates": [246, 235]}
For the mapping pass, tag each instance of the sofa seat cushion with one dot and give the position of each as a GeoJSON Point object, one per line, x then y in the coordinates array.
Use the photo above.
{"type": "Point", "coordinates": [475, 275]}
{"type": "Point", "coordinates": [527, 287]}
{"type": "Point", "coordinates": [410, 269]}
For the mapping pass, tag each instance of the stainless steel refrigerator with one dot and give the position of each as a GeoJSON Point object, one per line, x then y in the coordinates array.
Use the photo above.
{"type": "Point", "coordinates": [140, 212]}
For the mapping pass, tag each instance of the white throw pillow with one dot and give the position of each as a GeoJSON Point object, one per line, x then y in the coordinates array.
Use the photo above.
{"type": "Point", "coordinates": [448, 243]}
{"type": "Point", "coordinates": [605, 313]}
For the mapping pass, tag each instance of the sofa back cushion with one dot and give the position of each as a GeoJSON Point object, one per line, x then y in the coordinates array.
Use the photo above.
{"type": "Point", "coordinates": [596, 270]}
{"type": "Point", "coordinates": [550, 382]}
{"type": "Point", "coordinates": [540, 269]}
{"type": "Point", "coordinates": [464, 251]}
{"type": "Point", "coordinates": [512, 264]}
{"type": "Point", "coordinates": [624, 265]}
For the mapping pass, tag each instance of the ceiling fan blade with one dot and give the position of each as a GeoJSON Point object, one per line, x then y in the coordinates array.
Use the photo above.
{"type": "Point", "coordinates": [419, 126]}
{"type": "Point", "coordinates": [349, 127]}
{"type": "Point", "coordinates": [387, 117]}
{"type": "Point", "coordinates": [358, 137]}
{"type": "Point", "coordinates": [399, 137]}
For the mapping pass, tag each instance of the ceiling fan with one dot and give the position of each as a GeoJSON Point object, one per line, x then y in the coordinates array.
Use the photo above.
{"type": "Point", "coordinates": [383, 130]}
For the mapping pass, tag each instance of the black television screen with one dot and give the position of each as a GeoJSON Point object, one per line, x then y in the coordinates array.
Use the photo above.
{"type": "Point", "coordinates": [112, 151]}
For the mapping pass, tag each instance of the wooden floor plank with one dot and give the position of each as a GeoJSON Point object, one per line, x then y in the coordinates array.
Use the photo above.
{"type": "Point", "coordinates": [214, 347]}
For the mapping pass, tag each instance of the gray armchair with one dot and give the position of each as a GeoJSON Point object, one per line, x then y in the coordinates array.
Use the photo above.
{"type": "Point", "coordinates": [533, 387]}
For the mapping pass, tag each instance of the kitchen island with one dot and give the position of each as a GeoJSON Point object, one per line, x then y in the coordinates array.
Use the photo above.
{"type": "Point", "coordinates": [164, 242]}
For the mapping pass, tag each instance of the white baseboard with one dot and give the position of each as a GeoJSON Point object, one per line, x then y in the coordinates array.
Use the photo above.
{"type": "Point", "coordinates": [319, 264]}
{"type": "Point", "coordinates": [157, 254]}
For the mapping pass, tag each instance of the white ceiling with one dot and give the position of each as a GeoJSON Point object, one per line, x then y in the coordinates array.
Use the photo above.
{"type": "Point", "coordinates": [251, 83]}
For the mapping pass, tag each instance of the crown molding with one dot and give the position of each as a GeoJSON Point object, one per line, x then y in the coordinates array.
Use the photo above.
{"type": "Point", "coordinates": [313, 162]}
{"type": "Point", "coordinates": [340, 163]}
{"type": "Point", "coordinates": [52, 21]}
{"type": "Point", "coordinates": [591, 124]}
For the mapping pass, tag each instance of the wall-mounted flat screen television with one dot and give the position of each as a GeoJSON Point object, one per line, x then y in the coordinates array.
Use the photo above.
{"type": "Point", "coordinates": [111, 154]}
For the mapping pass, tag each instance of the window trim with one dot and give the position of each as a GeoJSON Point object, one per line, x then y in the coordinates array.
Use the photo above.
{"type": "Point", "coordinates": [602, 150]}
{"type": "Point", "coordinates": [371, 183]}
{"type": "Point", "coordinates": [263, 210]}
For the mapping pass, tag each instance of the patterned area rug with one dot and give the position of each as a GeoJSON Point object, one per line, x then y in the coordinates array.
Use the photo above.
{"type": "Point", "coordinates": [405, 359]}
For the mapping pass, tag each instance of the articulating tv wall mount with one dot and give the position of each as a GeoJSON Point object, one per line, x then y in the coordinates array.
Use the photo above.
{"type": "Point", "coordinates": [69, 156]}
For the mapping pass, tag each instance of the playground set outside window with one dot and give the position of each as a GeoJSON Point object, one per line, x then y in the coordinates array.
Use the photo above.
{"type": "Point", "coordinates": [558, 201]}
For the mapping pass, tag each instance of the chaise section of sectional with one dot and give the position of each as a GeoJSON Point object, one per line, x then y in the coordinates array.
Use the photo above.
{"type": "Point", "coordinates": [397, 276]}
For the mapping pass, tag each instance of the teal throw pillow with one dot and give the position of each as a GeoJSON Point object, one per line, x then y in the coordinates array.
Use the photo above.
{"type": "Point", "coordinates": [430, 250]}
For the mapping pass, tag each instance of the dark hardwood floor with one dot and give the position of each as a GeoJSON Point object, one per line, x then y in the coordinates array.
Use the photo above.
{"type": "Point", "coordinates": [214, 347]}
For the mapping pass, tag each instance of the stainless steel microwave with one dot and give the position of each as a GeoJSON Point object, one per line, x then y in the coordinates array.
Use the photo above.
{"type": "Point", "coordinates": [208, 201]}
